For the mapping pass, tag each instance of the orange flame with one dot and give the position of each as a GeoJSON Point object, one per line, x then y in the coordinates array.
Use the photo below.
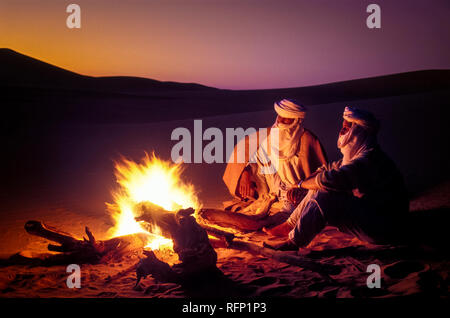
{"type": "Point", "coordinates": [152, 180]}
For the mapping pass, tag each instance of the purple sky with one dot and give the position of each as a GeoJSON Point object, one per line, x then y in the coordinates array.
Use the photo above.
{"type": "Point", "coordinates": [239, 44]}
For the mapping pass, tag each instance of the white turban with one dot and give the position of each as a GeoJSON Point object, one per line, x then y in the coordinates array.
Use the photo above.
{"type": "Point", "coordinates": [360, 137]}
{"type": "Point", "coordinates": [288, 108]}
{"type": "Point", "coordinates": [361, 117]}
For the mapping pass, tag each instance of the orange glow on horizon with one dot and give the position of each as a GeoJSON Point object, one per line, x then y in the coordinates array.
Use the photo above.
{"type": "Point", "coordinates": [244, 44]}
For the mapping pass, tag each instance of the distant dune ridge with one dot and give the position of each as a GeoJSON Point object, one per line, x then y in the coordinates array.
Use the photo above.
{"type": "Point", "coordinates": [24, 71]}
{"type": "Point", "coordinates": [25, 81]}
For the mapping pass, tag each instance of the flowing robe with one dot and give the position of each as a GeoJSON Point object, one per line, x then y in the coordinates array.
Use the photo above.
{"type": "Point", "coordinates": [310, 155]}
{"type": "Point", "coordinates": [366, 198]}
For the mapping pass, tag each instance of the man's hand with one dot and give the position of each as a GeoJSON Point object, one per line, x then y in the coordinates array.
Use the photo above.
{"type": "Point", "coordinates": [295, 195]}
{"type": "Point", "coordinates": [246, 189]}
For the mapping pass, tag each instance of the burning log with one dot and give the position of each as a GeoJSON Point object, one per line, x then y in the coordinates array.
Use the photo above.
{"type": "Point", "coordinates": [87, 250]}
{"type": "Point", "coordinates": [190, 242]}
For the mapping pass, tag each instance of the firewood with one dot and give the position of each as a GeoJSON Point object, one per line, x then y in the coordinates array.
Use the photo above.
{"type": "Point", "coordinates": [67, 241]}
{"type": "Point", "coordinates": [88, 250]}
{"type": "Point", "coordinates": [160, 270]}
{"type": "Point", "coordinates": [190, 242]}
{"type": "Point", "coordinates": [220, 234]}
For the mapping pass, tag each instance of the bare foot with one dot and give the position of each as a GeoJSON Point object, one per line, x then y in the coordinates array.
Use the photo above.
{"type": "Point", "coordinates": [281, 230]}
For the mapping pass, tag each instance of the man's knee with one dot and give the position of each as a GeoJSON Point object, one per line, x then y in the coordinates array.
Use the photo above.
{"type": "Point", "coordinates": [309, 224]}
{"type": "Point", "coordinates": [296, 214]}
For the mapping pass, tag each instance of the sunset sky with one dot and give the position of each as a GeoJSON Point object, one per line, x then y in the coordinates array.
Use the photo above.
{"type": "Point", "coordinates": [238, 44]}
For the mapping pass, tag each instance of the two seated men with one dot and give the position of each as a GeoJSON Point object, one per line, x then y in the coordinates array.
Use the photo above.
{"type": "Point", "coordinates": [362, 194]}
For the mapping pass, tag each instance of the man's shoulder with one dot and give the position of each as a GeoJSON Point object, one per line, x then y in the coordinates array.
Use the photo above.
{"type": "Point", "coordinates": [381, 157]}
{"type": "Point", "coordinates": [309, 135]}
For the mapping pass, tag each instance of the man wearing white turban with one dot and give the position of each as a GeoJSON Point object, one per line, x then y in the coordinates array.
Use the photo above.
{"type": "Point", "coordinates": [296, 154]}
{"type": "Point", "coordinates": [362, 194]}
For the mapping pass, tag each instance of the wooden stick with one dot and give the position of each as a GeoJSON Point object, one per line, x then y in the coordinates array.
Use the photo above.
{"type": "Point", "coordinates": [227, 236]}
{"type": "Point", "coordinates": [50, 233]}
{"type": "Point", "coordinates": [88, 250]}
{"type": "Point", "coordinates": [284, 257]}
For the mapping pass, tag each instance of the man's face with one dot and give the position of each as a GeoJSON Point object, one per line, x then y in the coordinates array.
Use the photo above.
{"type": "Point", "coordinates": [283, 120]}
{"type": "Point", "coordinates": [346, 125]}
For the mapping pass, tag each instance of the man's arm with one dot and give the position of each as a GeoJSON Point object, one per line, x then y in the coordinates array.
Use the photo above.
{"type": "Point", "coordinates": [296, 194]}
{"type": "Point", "coordinates": [310, 182]}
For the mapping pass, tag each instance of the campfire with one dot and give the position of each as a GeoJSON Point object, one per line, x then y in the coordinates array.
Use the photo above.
{"type": "Point", "coordinates": [152, 180]}
{"type": "Point", "coordinates": [155, 211]}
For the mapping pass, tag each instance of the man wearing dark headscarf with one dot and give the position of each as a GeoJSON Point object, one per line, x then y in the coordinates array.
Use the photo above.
{"type": "Point", "coordinates": [362, 194]}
